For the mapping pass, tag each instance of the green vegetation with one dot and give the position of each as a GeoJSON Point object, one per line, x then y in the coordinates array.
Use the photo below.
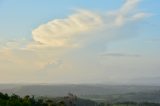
{"type": "Point", "coordinates": [70, 100]}
{"type": "Point", "coordinates": [15, 100]}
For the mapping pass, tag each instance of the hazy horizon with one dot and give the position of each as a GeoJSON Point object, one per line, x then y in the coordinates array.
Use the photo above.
{"type": "Point", "coordinates": [80, 42]}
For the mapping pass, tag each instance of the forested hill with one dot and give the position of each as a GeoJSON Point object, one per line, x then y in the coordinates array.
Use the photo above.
{"type": "Point", "coordinates": [79, 90]}
{"type": "Point", "coordinates": [70, 100]}
{"type": "Point", "coordinates": [97, 93]}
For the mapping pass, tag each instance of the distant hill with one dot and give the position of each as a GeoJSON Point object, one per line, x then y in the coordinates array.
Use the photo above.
{"type": "Point", "coordinates": [114, 93]}
{"type": "Point", "coordinates": [9, 86]}
{"type": "Point", "coordinates": [80, 90]}
{"type": "Point", "coordinates": [152, 96]}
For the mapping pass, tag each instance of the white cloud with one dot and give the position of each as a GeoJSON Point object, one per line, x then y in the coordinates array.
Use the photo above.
{"type": "Point", "coordinates": [53, 44]}
{"type": "Point", "coordinates": [126, 13]}
{"type": "Point", "coordinates": [59, 32]}
{"type": "Point", "coordinates": [128, 6]}
{"type": "Point", "coordinates": [66, 33]}
{"type": "Point", "coordinates": [140, 15]}
{"type": "Point", "coordinates": [31, 60]}
{"type": "Point", "coordinates": [63, 32]}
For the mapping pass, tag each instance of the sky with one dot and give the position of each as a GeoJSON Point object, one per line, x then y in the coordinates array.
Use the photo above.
{"type": "Point", "coordinates": [79, 41]}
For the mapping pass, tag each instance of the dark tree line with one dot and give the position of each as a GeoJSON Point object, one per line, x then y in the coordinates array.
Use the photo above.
{"type": "Point", "coordinates": [15, 100]}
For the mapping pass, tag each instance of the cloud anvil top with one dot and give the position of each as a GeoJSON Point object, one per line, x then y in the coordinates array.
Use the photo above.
{"type": "Point", "coordinates": [82, 45]}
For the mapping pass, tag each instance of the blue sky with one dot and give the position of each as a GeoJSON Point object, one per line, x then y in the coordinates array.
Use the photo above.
{"type": "Point", "coordinates": [103, 33]}
{"type": "Point", "coordinates": [21, 17]}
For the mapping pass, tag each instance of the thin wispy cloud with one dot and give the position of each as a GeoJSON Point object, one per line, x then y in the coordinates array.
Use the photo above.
{"type": "Point", "coordinates": [119, 55]}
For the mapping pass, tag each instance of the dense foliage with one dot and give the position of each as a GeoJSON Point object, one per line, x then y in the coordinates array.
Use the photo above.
{"type": "Point", "coordinates": [15, 100]}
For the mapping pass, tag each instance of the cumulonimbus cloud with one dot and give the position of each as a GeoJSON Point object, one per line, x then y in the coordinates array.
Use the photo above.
{"type": "Point", "coordinates": [62, 32]}
{"type": "Point", "coordinates": [59, 32]}
{"type": "Point", "coordinates": [66, 33]}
